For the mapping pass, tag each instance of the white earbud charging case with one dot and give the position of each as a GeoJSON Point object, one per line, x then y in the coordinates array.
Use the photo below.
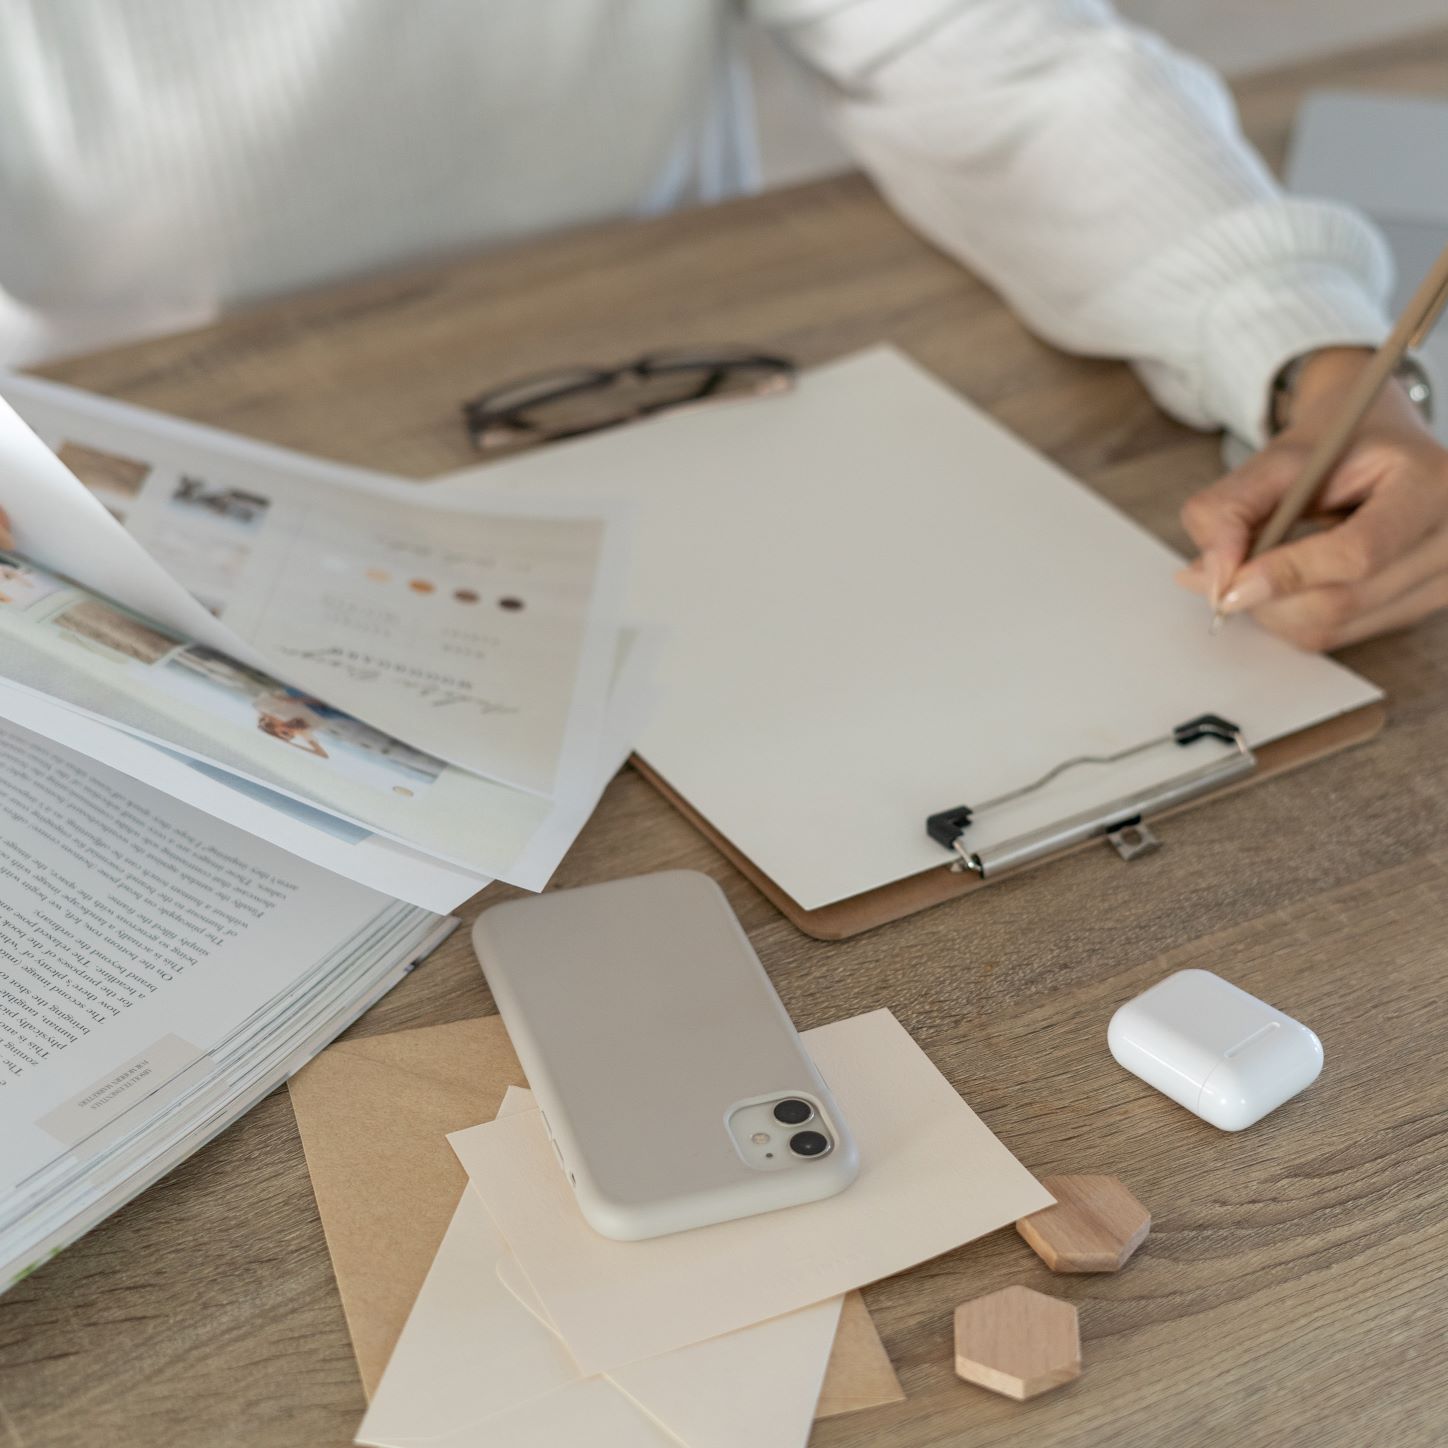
{"type": "Point", "coordinates": [1223, 1054]}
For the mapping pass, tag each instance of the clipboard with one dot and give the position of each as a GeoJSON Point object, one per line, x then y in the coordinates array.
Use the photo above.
{"type": "Point", "coordinates": [914, 656]}
{"type": "Point", "coordinates": [1126, 828]}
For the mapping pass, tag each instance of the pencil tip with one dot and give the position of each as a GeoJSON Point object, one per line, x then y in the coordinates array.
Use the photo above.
{"type": "Point", "coordinates": [1218, 619]}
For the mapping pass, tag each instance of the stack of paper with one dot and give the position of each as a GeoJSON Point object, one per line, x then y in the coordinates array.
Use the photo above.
{"type": "Point", "coordinates": [531, 1329]}
{"type": "Point", "coordinates": [374, 1114]}
{"type": "Point", "coordinates": [422, 694]}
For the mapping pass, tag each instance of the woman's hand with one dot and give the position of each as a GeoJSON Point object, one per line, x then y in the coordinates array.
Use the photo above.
{"type": "Point", "coordinates": [1382, 561]}
{"type": "Point", "coordinates": [6, 538]}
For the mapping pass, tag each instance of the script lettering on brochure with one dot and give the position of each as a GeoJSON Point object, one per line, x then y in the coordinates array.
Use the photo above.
{"type": "Point", "coordinates": [439, 691]}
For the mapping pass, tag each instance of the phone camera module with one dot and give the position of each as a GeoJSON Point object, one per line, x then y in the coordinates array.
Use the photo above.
{"type": "Point", "coordinates": [809, 1143]}
{"type": "Point", "coordinates": [793, 1112]}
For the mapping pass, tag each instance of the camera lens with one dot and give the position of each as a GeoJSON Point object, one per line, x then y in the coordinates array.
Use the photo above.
{"type": "Point", "coordinates": [809, 1143]}
{"type": "Point", "coordinates": [792, 1112]}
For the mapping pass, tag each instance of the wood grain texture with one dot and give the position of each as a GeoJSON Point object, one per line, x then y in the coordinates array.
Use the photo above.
{"type": "Point", "coordinates": [1294, 1291]}
{"type": "Point", "coordinates": [1017, 1342]}
{"type": "Point", "coordinates": [1095, 1225]}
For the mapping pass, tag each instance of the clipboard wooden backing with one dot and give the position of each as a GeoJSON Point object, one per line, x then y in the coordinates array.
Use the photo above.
{"type": "Point", "coordinates": [880, 906]}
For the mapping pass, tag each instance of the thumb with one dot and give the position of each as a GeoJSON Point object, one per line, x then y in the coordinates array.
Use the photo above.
{"type": "Point", "coordinates": [7, 538]}
{"type": "Point", "coordinates": [1222, 519]}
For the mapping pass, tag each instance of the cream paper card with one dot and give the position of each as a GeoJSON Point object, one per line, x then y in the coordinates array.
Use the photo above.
{"type": "Point", "coordinates": [759, 1385]}
{"type": "Point", "coordinates": [932, 1176]}
{"type": "Point", "coordinates": [475, 1365]}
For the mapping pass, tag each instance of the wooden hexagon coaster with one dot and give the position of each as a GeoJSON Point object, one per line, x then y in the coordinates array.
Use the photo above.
{"type": "Point", "coordinates": [1017, 1342]}
{"type": "Point", "coordinates": [1095, 1225]}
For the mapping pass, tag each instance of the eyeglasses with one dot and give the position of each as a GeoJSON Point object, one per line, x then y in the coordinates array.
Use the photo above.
{"type": "Point", "coordinates": [573, 403]}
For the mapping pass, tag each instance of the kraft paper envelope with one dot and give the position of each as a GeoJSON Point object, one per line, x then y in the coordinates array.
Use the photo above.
{"type": "Point", "coordinates": [474, 1366]}
{"type": "Point", "coordinates": [374, 1114]}
{"type": "Point", "coordinates": [932, 1177]}
{"type": "Point", "coordinates": [860, 1374]}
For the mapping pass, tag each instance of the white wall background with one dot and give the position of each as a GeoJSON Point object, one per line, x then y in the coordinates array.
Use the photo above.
{"type": "Point", "coordinates": [1238, 36]}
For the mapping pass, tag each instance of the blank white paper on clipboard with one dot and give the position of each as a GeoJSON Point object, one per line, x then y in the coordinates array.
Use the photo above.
{"type": "Point", "coordinates": [881, 604]}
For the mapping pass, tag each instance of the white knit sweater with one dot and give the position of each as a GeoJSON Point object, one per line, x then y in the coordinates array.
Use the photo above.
{"type": "Point", "coordinates": [161, 159]}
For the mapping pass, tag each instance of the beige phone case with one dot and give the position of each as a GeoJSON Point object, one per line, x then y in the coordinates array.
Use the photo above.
{"type": "Point", "coordinates": [658, 1051]}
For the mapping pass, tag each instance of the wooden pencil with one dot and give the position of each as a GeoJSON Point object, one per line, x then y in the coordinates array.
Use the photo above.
{"type": "Point", "coordinates": [1409, 331]}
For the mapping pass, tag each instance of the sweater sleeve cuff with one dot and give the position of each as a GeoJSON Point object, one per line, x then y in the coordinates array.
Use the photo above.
{"type": "Point", "coordinates": [1260, 323]}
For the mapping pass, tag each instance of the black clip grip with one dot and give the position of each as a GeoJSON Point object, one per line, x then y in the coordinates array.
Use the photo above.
{"type": "Point", "coordinates": [1207, 726]}
{"type": "Point", "coordinates": [949, 825]}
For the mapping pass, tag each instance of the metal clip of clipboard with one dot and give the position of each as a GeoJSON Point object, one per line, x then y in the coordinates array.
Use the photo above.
{"type": "Point", "coordinates": [1120, 820]}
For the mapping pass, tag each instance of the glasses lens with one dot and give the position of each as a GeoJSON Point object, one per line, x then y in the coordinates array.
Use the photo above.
{"type": "Point", "coordinates": [632, 394]}
{"type": "Point", "coordinates": [626, 396]}
{"type": "Point", "coordinates": [530, 391]}
{"type": "Point", "coordinates": [585, 400]}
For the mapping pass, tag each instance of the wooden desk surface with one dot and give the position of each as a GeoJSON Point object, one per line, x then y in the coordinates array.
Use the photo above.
{"type": "Point", "coordinates": [1293, 1289]}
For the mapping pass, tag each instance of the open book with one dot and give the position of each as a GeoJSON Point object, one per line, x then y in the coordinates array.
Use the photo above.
{"type": "Point", "coordinates": [263, 722]}
{"type": "Point", "coordinates": [160, 972]}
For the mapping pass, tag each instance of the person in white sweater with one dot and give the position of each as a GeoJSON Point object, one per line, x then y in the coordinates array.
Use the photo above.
{"type": "Point", "coordinates": [161, 160]}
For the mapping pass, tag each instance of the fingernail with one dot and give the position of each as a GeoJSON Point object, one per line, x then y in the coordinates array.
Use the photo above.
{"type": "Point", "coordinates": [1219, 575]}
{"type": "Point", "coordinates": [1247, 594]}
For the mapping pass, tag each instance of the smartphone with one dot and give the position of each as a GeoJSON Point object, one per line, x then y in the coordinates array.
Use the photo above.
{"type": "Point", "coordinates": [671, 1080]}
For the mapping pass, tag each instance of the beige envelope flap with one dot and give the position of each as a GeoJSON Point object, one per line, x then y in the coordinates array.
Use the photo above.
{"type": "Point", "coordinates": [373, 1114]}
{"type": "Point", "coordinates": [859, 1373]}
